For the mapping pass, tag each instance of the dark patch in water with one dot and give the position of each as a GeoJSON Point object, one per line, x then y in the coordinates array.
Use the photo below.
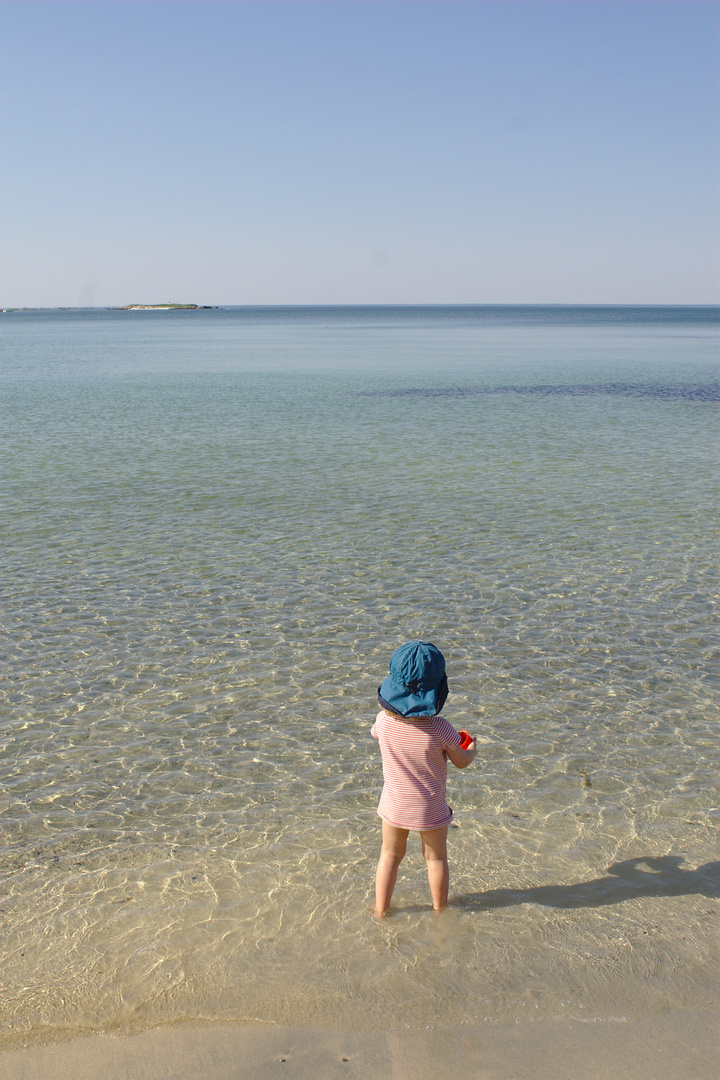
{"type": "Point", "coordinates": [667, 391]}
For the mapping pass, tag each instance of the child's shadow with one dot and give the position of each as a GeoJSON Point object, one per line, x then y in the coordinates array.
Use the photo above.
{"type": "Point", "coordinates": [665, 878]}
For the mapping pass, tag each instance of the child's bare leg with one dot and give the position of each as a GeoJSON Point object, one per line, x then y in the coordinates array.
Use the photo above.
{"type": "Point", "coordinates": [434, 849]}
{"type": "Point", "coordinates": [394, 843]}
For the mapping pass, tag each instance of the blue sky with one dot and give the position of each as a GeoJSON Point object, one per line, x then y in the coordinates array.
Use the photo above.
{"type": "Point", "coordinates": [224, 152]}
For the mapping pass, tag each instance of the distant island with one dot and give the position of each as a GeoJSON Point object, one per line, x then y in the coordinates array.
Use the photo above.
{"type": "Point", "coordinates": [127, 307]}
{"type": "Point", "coordinates": [166, 307]}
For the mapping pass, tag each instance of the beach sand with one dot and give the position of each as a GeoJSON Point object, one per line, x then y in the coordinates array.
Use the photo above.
{"type": "Point", "coordinates": [680, 1045]}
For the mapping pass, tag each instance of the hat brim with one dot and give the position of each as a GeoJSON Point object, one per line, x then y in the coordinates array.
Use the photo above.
{"type": "Point", "coordinates": [399, 700]}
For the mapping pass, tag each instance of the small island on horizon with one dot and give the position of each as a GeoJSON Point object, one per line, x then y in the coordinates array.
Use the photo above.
{"type": "Point", "coordinates": [164, 307]}
{"type": "Point", "coordinates": [125, 307]}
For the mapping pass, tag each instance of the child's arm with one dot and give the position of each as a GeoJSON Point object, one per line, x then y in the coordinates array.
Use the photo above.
{"type": "Point", "coordinates": [462, 758]}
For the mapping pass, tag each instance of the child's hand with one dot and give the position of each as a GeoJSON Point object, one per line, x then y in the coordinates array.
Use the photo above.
{"type": "Point", "coordinates": [460, 757]}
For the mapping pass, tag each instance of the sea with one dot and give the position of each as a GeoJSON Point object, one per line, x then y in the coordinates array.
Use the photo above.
{"type": "Point", "coordinates": [218, 524]}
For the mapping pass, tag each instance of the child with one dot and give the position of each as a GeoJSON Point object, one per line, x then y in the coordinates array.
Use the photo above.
{"type": "Point", "coordinates": [415, 742]}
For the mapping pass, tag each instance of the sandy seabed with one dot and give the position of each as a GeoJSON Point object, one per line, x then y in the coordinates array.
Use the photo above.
{"type": "Point", "coordinates": [678, 1045]}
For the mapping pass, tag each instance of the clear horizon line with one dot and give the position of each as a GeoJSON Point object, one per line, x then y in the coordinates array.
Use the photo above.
{"type": "Point", "coordinates": [404, 304]}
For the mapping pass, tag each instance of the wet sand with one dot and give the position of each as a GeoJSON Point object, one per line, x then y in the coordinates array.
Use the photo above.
{"type": "Point", "coordinates": [678, 1045]}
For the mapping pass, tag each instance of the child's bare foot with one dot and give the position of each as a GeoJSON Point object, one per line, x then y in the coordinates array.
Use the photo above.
{"type": "Point", "coordinates": [439, 910]}
{"type": "Point", "coordinates": [380, 914]}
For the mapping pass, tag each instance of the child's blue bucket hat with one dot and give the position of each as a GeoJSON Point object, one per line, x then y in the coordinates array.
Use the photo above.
{"type": "Point", "coordinates": [417, 684]}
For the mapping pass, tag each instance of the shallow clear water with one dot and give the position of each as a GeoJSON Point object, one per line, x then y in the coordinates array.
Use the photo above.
{"type": "Point", "coordinates": [217, 527]}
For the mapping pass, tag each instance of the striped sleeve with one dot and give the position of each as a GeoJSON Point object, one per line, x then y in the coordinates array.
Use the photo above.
{"type": "Point", "coordinates": [447, 733]}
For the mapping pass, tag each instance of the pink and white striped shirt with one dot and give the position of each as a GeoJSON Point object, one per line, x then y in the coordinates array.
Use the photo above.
{"type": "Point", "coordinates": [414, 762]}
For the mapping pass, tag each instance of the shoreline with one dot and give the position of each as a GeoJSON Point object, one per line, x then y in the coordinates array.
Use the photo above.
{"type": "Point", "coordinates": [675, 1045]}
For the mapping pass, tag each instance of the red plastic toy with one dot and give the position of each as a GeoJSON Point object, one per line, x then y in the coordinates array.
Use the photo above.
{"type": "Point", "coordinates": [465, 738]}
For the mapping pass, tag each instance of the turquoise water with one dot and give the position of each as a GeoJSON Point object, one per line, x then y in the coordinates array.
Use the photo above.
{"type": "Point", "coordinates": [217, 527]}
